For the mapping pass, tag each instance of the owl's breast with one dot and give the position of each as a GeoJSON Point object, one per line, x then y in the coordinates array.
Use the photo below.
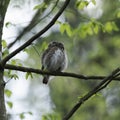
{"type": "Point", "coordinates": [54, 60]}
{"type": "Point", "coordinates": [57, 59]}
{"type": "Point", "coordinates": [57, 56]}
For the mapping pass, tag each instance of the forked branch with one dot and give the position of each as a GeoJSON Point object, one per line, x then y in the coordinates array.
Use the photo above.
{"type": "Point", "coordinates": [99, 87]}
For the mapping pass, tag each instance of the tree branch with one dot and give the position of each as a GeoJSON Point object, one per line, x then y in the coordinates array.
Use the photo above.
{"type": "Point", "coordinates": [65, 74]}
{"type": "Point", "coordinates": [99, 87]}
{"type": "Point", "coordinates": [35, 20]}
{"type": "Point", "coordinates": [26, 44]}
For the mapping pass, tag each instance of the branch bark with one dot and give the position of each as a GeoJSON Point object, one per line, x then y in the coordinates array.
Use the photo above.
{"type": "Point", "coordinates": [3, 115]}
{"type": "Point", "coordinates": [26, 44]}
{"type": "Point", "coordinates": [65, 74]}
{"type": "Point", "coordinates": [99, 87]}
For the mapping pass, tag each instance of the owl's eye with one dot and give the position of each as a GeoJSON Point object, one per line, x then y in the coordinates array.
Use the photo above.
{"type": "Point", "coordinates": [51, 44]}
{"type": "Point", "coordinates": [57, 44]}
{"type": "Point", "coordinates": [61, 46]}
{"type": "Point", "coordinates": [54, 43]}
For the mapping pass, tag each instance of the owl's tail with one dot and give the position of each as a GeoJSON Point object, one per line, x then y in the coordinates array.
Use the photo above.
{"type": "Point", "coordinates": [46, 79]}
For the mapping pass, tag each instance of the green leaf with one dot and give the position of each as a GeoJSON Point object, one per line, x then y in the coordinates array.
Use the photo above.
{"type": "Point", "coordinates": [13, 62]}
{"type": "Point", "coordinates": [66, 27]}
{"type": "Point", "coordinates": [8, 93]}
{"type": "Point", "coordinates": [115, 28]}
{"type": "Point", "coordinates": [93, 1]}
{"type": "Point", "coordinates": [22, 116]}
{"type": "Point", "coordinates": [15, 76]}
{"type": "Point", "coordinates": [16, 62]}
{"type": "Point", "coordinates": [26, 50]}
{"type": "Point", "coordinates": [44, 45]}
{"type": "Point", "coordinates": [10, 104]}
{"type": "Point", "coordinates": [53, 116]}
{"type": "Point", "coordinates": [96, 29]}
{"type": "Point", "coordinates": [28, 74]}
{"type": "Point", "coordinates": [40, 6]}
{"type": "Point", "coordinates": [30, 113]}
{"type": "Point", "coordinates": [68, 30]}
{"type": "Point", "coordinates": [81, 4]}
{"type": "Point", "coordinates": [7, 73]}
{"type": "Point", "coordinates": [89, 31]}
{"type": "Point", "coordinates": [5, 53]}
{"type": "Point", "coordinates": [118, 15]}
{"type": "Point", "coordinates": [62, 28]}
{"type": "Point", "coordinates": [108, 27]}
{"type": "Point", "coordinates": [4, 44]}
{"type": "Point", "coordinates": [8, 24]}
{"type": "Point", "coordinates": [58, 22]}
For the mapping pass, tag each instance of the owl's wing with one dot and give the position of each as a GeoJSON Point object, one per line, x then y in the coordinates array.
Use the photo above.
{"type": "Point", "coordinates": [43, 55]}
{"type": "Point", "coordinates": [46, 57]}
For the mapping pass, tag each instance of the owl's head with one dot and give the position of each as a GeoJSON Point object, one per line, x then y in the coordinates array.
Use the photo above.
{"type": "Point", "coordinates": [56, 44]}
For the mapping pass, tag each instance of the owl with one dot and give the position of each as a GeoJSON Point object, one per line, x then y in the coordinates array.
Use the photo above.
{"type": "Point", "coordinates": [53, 59]}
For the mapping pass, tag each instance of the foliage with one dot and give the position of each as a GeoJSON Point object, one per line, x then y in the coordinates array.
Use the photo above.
{"type": "Point", "coordinates": [91, 52]}
{"type": "Point", "coordinates": [22, 115]}
{"type": "Point", "coordinates": [52, 116]}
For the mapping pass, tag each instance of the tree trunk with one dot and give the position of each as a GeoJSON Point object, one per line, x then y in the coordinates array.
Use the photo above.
{"type": "Point", "coordinates": [3, 115]}
{"type": "Point", "coordinates": [3, 8]}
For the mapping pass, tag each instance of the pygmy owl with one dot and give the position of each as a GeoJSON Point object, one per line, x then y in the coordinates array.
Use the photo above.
{"type": "Point", "coordinates": [54, 59]}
